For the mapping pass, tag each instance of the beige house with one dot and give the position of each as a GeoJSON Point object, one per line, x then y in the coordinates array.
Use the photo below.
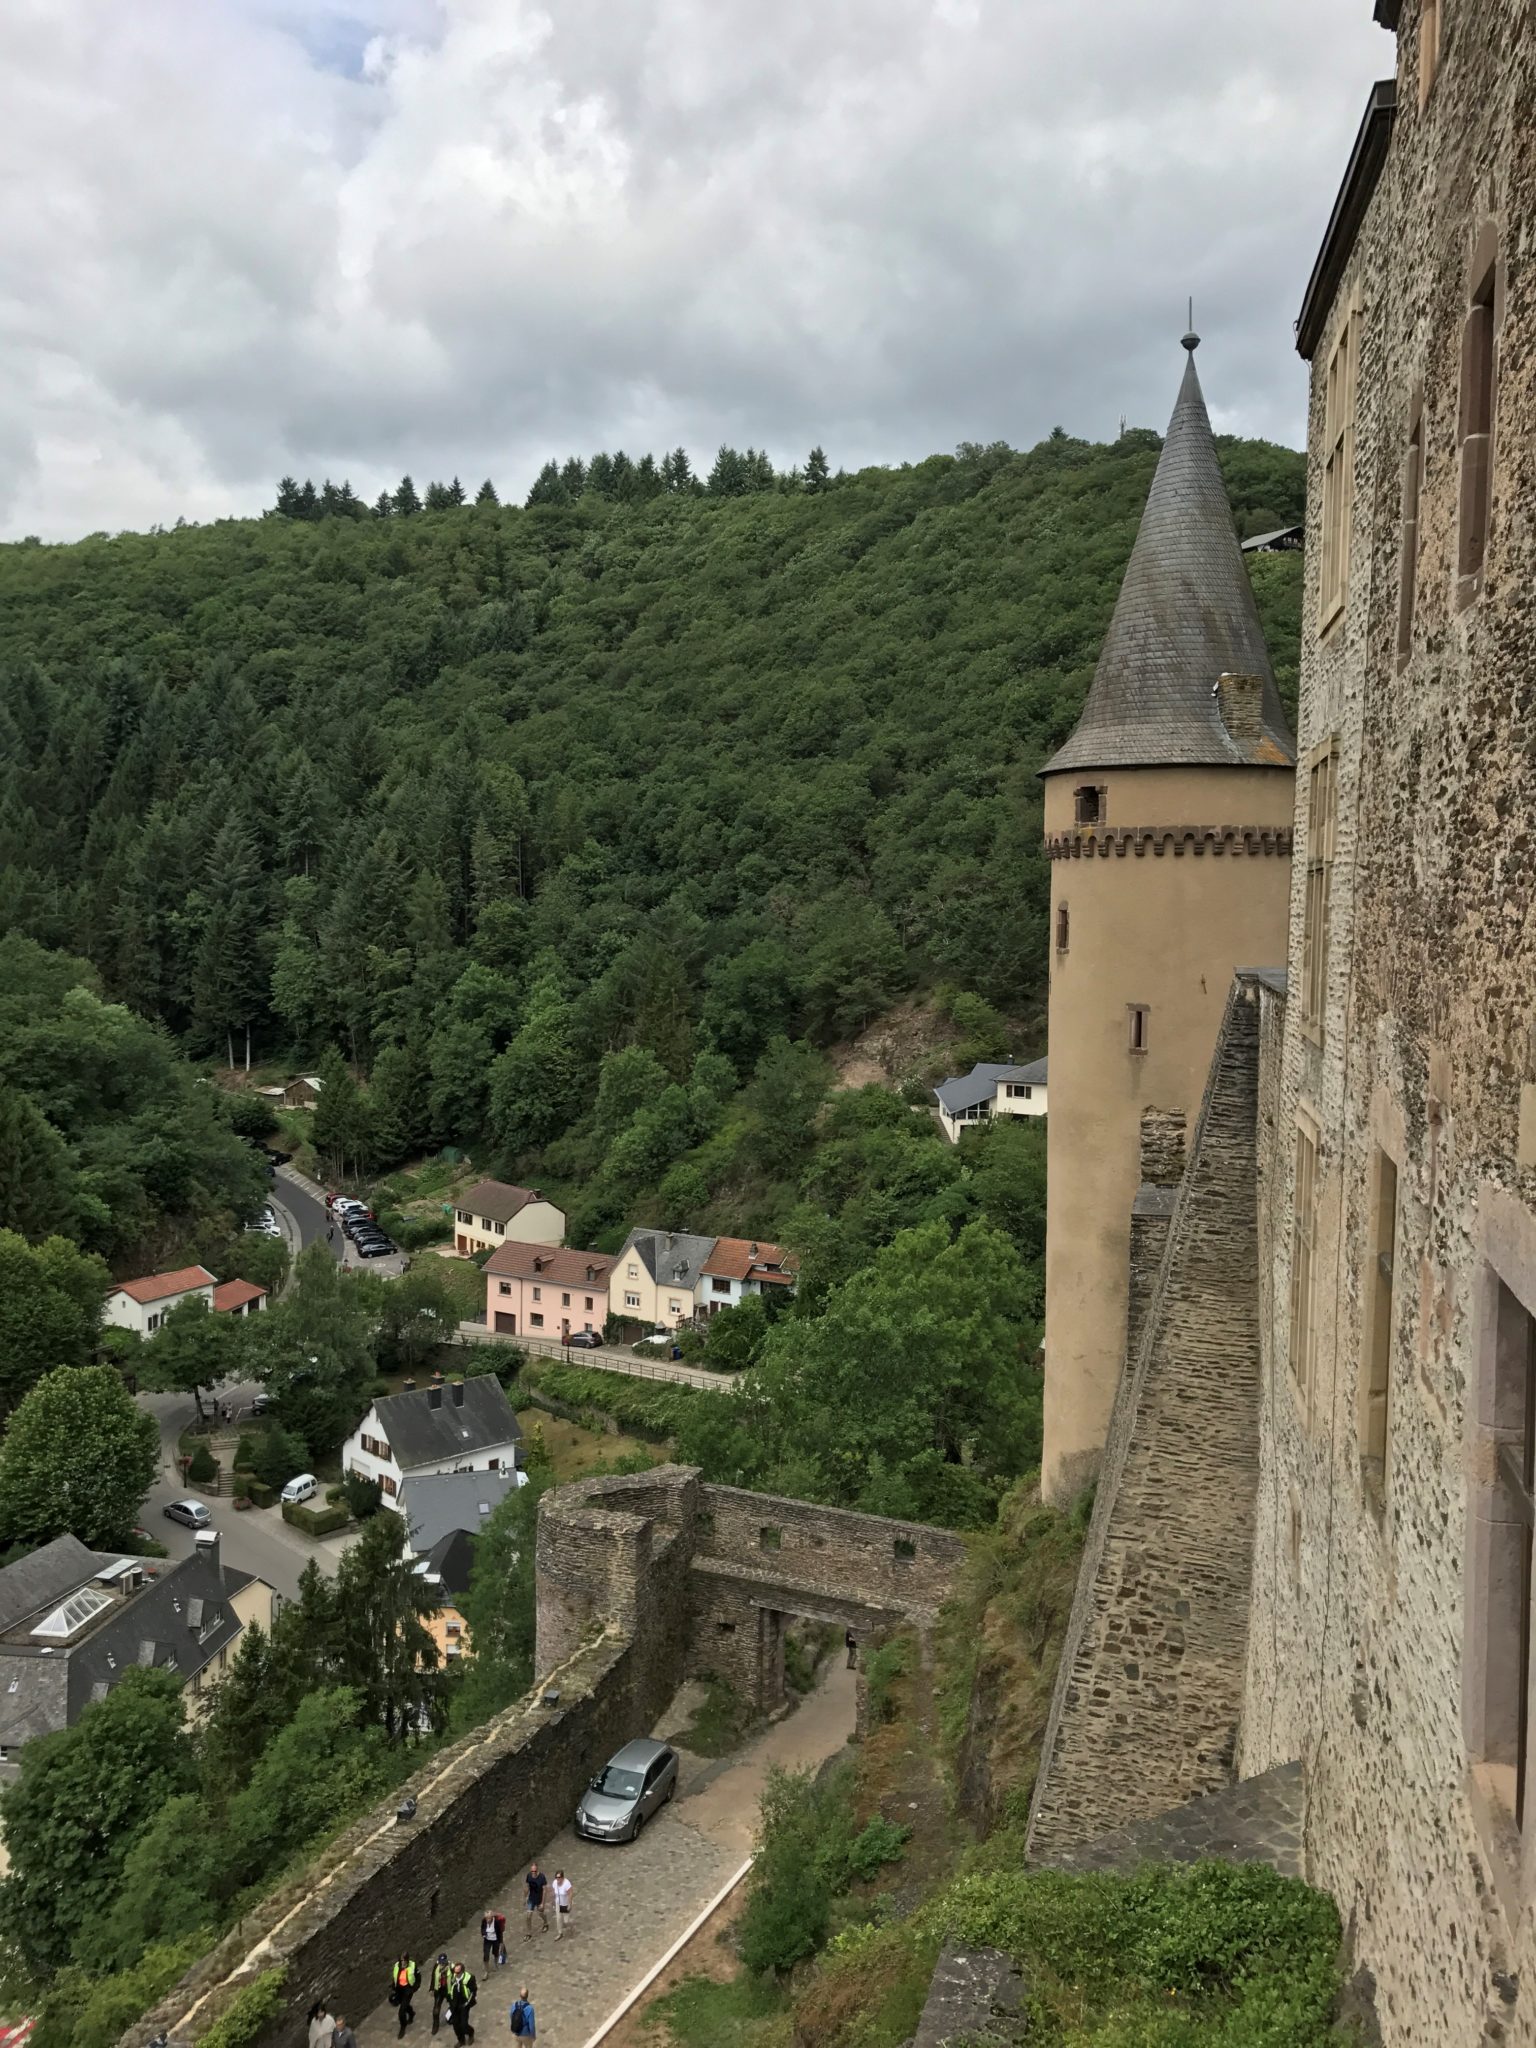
{"type": "Point", "coordinates": [656, 1277]}
{"type": "Point", "coordinates": [493, 1213]}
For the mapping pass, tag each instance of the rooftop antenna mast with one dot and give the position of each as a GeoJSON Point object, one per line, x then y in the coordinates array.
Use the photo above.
{"type": "Point", "coordinates": [1191, 339]}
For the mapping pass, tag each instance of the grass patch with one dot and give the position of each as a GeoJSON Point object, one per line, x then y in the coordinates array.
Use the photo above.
{"type": "Point", "coordinates": [654, 1409]}
{"type": "Point", "coordinates": [718, 1723]}
{"type": "Point", "coordinates": [746, 2012]}
{"type": "Point", "coordinates": [574, 1452]}
{"type": "Point", "coordinates": [465, 1284]}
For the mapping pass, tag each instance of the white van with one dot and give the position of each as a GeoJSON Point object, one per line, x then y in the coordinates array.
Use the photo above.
{"type": "Point", "coordinates": [302, 1488]}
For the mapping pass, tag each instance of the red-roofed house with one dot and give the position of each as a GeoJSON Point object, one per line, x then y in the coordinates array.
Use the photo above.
{"type": "Point", "coordinates": [239, 1298]}
{"type": "Point", "coordinates": [143, 1305]}
{"type": "Point", "coordinates": [739, 1266]}
{"type": "Point", "coordinates": [535, 1290]}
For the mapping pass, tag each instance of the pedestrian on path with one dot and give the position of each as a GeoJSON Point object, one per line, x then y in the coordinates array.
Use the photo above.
{"type": "Point", "coordinates": [534, 1885]}
{"type": "Point", "coordinates": [501, 1939]}
{"type": "Point", "coordinates": [403, 1979]}
{"type": "Point", "coordinates": [439, 1989]}
{"type": "Point", "coordinates": [520, 2019]}
{"type": "Point", "coordinates": [487, 1938]}
{"type": "Point", "coordinates": [851, 1645]}
{"type": "Point", "coordinates": [562, 1891]}
{"type": "Point", "coordinates": [322, 2024]}
{"type": "Point", "coordinates": [343, 2036]}
{"type": "Point", "coordinates": [463, 1989]}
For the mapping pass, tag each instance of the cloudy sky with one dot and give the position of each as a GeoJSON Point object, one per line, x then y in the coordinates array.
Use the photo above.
{"type": "Point", "coordinates": [239, 237]}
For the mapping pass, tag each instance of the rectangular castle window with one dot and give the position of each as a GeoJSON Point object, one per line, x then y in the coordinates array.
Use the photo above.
{"type": "Point", "coordinates": [1063, 927]}
{"type": "Point", "coordinates": [1479, 379]}
{"type": "Point", "coordinates": [1090, 805]}
{"type": "Point", "coordinates": [1322, 811]}
{"type": "Point", "coordinates": [1303, 1241]}
{"type": "Point", "coordinates": [770, 1539]}
{"type": "Point", "coordinates": [1136, 1023]}
{"type": "Point", "coordinates": [903, 1549]}
{"type": "Point", "coordinates": [1376, 1391]}
{"type": "Point", "coordinates": [1338, 470]}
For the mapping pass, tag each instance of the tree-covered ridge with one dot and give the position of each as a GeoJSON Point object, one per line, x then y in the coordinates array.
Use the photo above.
{"type": "Point", "coordinates": [687, 769]}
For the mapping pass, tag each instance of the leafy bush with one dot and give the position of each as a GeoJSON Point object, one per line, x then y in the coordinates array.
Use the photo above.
{"type": "Point", "coordinates": [80, 2012]}
{"type": "Point", "coordinates": [809, 1851]}
{"type": "Point", "coordinates": [249, 2013]}
{"type": "Point", "coordinates": [879, 1841]}
{"type": "Point", "coordinates": [363, 1497]}
{"type": "Point", "coordinates": [202, 1466]}
{"type": "Point", "coordinates": [882, 1667]}
{"type": "Point", "coordinates": [278, 1456]}
{"type": "Point", "coordinates": [256, 1491]}
{"type": "Point", "coordinates": [316, 1521]}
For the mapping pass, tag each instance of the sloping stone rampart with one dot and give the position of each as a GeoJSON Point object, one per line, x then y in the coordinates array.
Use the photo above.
{"type": "Point", "coordinates": [1147, 1701]}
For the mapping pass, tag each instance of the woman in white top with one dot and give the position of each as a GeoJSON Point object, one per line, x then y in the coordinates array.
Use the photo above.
{"type": "Point", "coordinates": [322, 2024]}
{"type": "Point", "coordinates": [562, 1891]}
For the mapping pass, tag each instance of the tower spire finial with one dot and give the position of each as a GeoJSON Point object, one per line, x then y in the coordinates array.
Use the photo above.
{"type": "Point", "coordinates": [1191, 339]}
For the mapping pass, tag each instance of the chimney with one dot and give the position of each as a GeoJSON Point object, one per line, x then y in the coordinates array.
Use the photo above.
{"type": "Point", "coordinates": [458, 1393]}
{"type": "Point", "coordinates": [434, 1397]}
{"type": "Point", "coordinates": [752, 1253]}
{"type": "Point", "coordinates": [206, 1542]}
{"type": "Point", "coordinates": [1240, 700]}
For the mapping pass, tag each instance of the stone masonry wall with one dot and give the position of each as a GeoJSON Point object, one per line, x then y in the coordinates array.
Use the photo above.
{"type": "Point", "coordinates": [1376, 1628]}
{"type": "Point", "coordinates": [1147, 1701]}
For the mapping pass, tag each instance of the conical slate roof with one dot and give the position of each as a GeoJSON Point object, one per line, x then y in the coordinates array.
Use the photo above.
{"type": "Point", "coordinates": [1185, 616]}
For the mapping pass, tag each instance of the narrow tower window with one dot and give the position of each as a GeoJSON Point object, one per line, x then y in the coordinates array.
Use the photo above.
{"type": "Point", "coordinates": [1136, 1014]}
{"type": "Point", "coordinates": [1478, 402]}
{"type": "Point", "coordinates": [1498, 1709]}
{"type": "Point", "coordinates": [1303, 1237]}
{"type": "Point", "coordinates": [1376, 1411]}
{"type": "Point", "coordinates": [1090, 805]}
{"type": "Point", "coordinates": [1063, 927]}
{"type": "Point", "coordinates": [1429, 48]}
{"type": "Point", "coordinates": [1338, 470]}
{"type": "Point", "coordinates": [1413, 486]}
{"type": "Point", "coordinates": [1321, 805]}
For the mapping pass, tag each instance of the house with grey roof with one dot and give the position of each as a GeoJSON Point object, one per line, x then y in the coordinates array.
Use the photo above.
{"type": "Point", "coordinates": [435, 1504]}
{"type": "Point", "coordinates": [991, 1088]}
{"type": "Point", "coordinates": [73, 1621]}
{"type": "Point", "coordinates": [465, 1426]}
{"type": "Point", "coordinates": [656, 1276]}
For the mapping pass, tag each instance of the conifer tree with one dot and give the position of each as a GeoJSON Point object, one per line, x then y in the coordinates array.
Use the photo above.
{"type": "Point", "coordinates": [817, 474]}
{"type": "Point", "coordinates": [229, 978]}
{"type": "Point", "coordinates": [383, 505]}
{"type": "Point", "coordinates": [548, 487]}
{"type": "Point", "coordinates": [600, 476]}
{"type": "Point", "coordinates": [288, 498]}
{"type": "Point", "coordinates": [486, 495]}
{"type": "Point", "coordinates": [455, 493]}
{"type": "Point", "coordinates": [338, 1126]}
{"type": "Point", "coordinates": [573, 474]}
{"type": "Point", "coordinates": [37, 1179]}
{"type": "Point", "coordinates": [405, 499]}
{"type": "Point", "coordinates": [437, 498]}
{"type": "Point", "coordinates": [677, 472]}
{"type": "Point", "coordinates": [309, 502]}
{"type": "Point", "coordinates": [728, 478]}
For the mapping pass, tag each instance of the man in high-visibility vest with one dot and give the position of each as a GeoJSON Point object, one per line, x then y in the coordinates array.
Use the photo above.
{"type": "Point", "coordinates": [403, 1979]}
{"type": "Point", "coordinates": [439, 1986]}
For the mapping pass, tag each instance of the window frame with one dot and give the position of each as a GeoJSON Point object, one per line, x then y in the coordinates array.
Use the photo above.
{"type": "Point", "coordinates": [1477, 415]}
{"type": "Point", "coordinates": [1138, 1028]}
{"type": "Point", "coordinates": [1340, 392]}
{"type": "Point", "coordinates": [1379, 1326]}
{"type": "Point", "coordinates": [1322, 772]}
{"type": "Point", "coordinates": [1301, 1349]}
{"type": "Point", "coordinates": [1408, 545]}
{"type": "Point", "coordinates": [1063, 927]}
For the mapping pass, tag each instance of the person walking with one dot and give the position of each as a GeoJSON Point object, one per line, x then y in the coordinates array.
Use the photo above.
{"type": "Point", "coordinates": [487, 1938]}
{"type": "Point", "coordinates": [343, 2036]}
{"type": "Point", "coordinates": [520, 2018]}
{"type": "Point", "coordinates": [561, 1888]}
{"type": "Point", "coordinates": [438, 1985]}
{"type": "Point", "coordinates": [403, 1979]}
{"type": "Point", "coordinates": [501, 1938]}
{"type": "Point", "coordinates": [463, 1990]}
{"type": "Point", "coordinates": [851, 1645]}
{"type": "Point", "coordinates": [534, 1885]}
{"type": "Point", "coordinates": [322, 2024]}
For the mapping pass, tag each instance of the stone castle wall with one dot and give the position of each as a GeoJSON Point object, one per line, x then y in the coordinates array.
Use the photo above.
{"type": "Point", "coordinates": [635, 1575]}
{"type": "Point", "coordinates": [1374, 1622]}
{"type": "Point", "coordinates": [1147, 1701]}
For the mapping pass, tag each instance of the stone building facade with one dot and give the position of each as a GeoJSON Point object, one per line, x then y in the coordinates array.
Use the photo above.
{"type": "Point", "coordinates": [1379, 1434]}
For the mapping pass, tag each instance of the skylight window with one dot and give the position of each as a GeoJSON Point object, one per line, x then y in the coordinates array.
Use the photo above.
{"type": "Point", "coordinates": [72, 1615]}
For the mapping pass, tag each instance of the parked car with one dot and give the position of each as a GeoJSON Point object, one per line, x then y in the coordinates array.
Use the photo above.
{"type": "Point", "coordinates": [190, 1513]}
{"type": "Point", "coordinates": [301, 1488]}
{"type": "Point", "coordinates": [627, 1791]}
{"type": "Point", "coordinates": [347, 1206]}
{"type": "Point", "coordinates": [656, 1337]}
{"type": "Point", "coordinates": [584, 1340]}
{"type": "Point", "coordinates": [375, 1248]}
{"type": "Point", "coordinates": [267, 1223]}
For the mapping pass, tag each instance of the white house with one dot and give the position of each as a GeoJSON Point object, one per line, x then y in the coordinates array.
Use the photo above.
{"type": "Point", "coordinates": [989, 1090]}
{"type": "Point", "coordinates": [467, 1426]}
{"type": "Point", "coordinates": [493, 1213]}
{"type": "Point", "coordinates": [239, 1298]}
{"type": "Point", "coordinates": [740, 1266]}
{"type": "Point", "coordinates": [143, 1305]}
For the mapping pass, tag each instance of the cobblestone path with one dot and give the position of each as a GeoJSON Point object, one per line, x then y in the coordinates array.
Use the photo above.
{"type": "Point", "coordinates": [630, 1902]}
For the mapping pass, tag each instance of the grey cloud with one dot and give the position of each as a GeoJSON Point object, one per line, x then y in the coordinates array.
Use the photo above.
{"type": "Point", "coordinates": [463, 235]}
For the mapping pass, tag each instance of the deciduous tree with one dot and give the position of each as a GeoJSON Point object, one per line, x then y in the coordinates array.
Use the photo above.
{"type": "Point", "coordinates": [77, 1459]}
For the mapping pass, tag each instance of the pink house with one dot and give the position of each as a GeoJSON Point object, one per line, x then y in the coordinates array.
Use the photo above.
{"type": "Point", "coordinates": [534, 1290]}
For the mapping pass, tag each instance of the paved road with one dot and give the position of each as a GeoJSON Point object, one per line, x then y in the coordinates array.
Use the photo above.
{"type": "Point", "coordinates": [301, 1212]}
{"type": "Point", "coordinates": [629, 1903]}
{"type": "Point", "coordinates": [256, 1540]}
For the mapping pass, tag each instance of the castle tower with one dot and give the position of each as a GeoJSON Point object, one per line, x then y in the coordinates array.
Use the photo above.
{"type": "Point", "coordinates": [1168, 829]}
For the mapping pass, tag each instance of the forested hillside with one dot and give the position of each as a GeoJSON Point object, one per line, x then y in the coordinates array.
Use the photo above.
{"type": "Point", "coordinates": [692, 769]}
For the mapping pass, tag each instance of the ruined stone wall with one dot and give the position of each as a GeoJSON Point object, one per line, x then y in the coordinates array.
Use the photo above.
{"type": "Point", "coordinates": [866, 1558]}
{"type": "Point", "coordinates": [1370, 1631]}
{"type": "Point", "coordinates": [1147, 1701]}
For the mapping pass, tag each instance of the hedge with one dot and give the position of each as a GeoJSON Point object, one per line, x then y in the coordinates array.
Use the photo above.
{"type": "Point", "coordinates": [256, 1491]}
{"type": "Point", "coordinates": [316, 1521]}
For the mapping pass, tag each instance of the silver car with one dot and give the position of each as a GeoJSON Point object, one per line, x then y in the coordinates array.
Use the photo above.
{"type": "Point", "coordinates": [626, 1792]}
